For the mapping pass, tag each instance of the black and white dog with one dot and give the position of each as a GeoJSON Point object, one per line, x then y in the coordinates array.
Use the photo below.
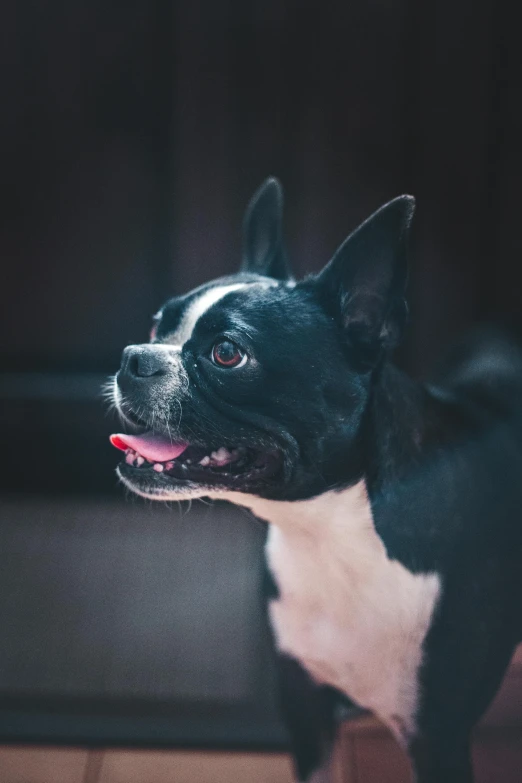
{"type": "Point", "coordinates": [395, 508]}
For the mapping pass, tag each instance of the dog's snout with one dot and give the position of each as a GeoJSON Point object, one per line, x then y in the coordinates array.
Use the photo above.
{"type": "Point", "coordinates": [143, 361]}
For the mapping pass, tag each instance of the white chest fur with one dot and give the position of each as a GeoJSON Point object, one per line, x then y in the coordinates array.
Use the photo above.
{"type": "Point", "coordinates": [355, 619]}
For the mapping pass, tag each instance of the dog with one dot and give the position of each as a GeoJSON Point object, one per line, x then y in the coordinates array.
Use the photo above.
{"type": "Point", "coordinates": [394, 508]}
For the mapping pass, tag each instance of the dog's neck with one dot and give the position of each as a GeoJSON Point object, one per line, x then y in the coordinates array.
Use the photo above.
{"type": "Point", "coordinates": [303, 514]}
{"type": "Point", "coordinates": [401, 420]}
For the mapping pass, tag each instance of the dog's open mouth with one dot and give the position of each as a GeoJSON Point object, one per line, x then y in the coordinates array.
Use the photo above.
{"type": "Point", "coordinates": [154, 457]}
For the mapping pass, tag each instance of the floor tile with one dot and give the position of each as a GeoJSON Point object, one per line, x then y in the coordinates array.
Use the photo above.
{"type": "Point", "coordinates": [187, 767]}
{"type": "Point", "coordinates": [42, 765]}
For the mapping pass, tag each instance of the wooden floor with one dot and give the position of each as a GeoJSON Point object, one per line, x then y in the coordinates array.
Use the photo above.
{"type": "Point", "coordinates": [48, 765]}
{"type": "Point", "coordinates": [362, 759]}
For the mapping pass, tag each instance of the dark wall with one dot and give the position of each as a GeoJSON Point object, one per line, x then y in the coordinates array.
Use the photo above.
{"type": "Point", "coordinates": [127, 625]}
{"type": "Point", "coordinates": [133, 133]}
{"type": "Point", "coordinates": [85, 143]}
{"type": "Point", "coordinates": [351, 104]}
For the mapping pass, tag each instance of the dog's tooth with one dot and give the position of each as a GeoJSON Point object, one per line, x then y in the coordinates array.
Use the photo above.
{"type": "Point", "coordinates": [183, 467]}
{"type": "Point", "coordinates": [158, 467]}
{"type": "Point", "coordinates": [221, 456]}
{"type": "Point", "coordinates": [223, 453]}
{"type": "Point", "coordinates": [169, 465]}
{"type": "Point", "coordinates": [205, 461]}
{"type": "Point", "coordinates": [129, 459]}
{"type": "Point", "coordinates": [140, 460]}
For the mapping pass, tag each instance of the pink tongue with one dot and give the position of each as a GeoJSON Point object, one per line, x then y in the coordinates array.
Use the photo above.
{"type": "Point", "coordinates": [149, 446]}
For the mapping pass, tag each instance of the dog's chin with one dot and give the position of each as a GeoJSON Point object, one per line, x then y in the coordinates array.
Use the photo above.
{"type": "Point", "coordinates": [254, 473]}
{"type": "Point", "coordinates": [154, 488]}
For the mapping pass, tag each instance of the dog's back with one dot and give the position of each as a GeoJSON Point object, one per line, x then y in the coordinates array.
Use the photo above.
{"type": "Point", "coordinates": [484, 369]}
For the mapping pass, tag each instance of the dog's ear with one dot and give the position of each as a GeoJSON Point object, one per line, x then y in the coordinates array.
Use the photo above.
{"type": "Point", "coordinates": [364, 283]}
{"type": "Point", "coordinates": [263, 247]}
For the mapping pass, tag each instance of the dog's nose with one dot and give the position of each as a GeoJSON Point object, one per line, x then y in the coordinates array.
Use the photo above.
{"type": "Point", "coordinates": [143, 361]}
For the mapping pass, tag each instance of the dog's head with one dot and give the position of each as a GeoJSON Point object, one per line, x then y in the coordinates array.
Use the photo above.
{"type": "Point", "coordinates": [257, 384]}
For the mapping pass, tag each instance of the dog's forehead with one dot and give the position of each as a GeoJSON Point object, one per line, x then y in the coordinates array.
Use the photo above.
{"type": "Point", "coordinates": [181, 316]}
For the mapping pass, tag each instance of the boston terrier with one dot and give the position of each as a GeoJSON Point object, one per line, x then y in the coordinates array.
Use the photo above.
{"type": "Point", "coordinates": [394, 507]}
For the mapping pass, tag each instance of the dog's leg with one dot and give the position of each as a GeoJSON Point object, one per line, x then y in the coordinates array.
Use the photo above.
{"type": "Point", "coordinates": [308, 711]}
{"type": "Point", "coordinates": [441, 760]}
{"type": "Point", "coordinates": [321, 775]}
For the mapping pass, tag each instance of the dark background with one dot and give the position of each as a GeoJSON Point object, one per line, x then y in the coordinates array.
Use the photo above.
{"type": "Point", "coordinates": [131, 136]}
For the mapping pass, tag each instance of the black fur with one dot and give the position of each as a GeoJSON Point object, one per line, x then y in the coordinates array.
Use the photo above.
{"type": "Point", "coordinates": [442, 462]}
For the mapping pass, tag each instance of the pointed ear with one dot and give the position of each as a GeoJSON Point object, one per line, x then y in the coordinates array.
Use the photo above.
{"type": "Point", "coordinates": [364, 283]}
{"type": "Point", "coordinates": [263, 248]}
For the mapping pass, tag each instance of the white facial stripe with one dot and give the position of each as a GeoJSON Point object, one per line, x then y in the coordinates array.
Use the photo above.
{"type": "Point", "coordinates": [197, 309]}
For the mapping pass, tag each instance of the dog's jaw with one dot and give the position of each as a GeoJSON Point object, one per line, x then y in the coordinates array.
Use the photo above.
{"type": "Point", "coordinates": [187, 491]}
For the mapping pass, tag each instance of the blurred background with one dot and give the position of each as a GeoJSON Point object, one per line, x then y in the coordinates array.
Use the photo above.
{"type": "Point", "coordinates": [132, 135]}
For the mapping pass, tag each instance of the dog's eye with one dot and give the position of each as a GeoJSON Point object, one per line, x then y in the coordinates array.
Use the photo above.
{"type": "Point", "coordinates": [225, 353]}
